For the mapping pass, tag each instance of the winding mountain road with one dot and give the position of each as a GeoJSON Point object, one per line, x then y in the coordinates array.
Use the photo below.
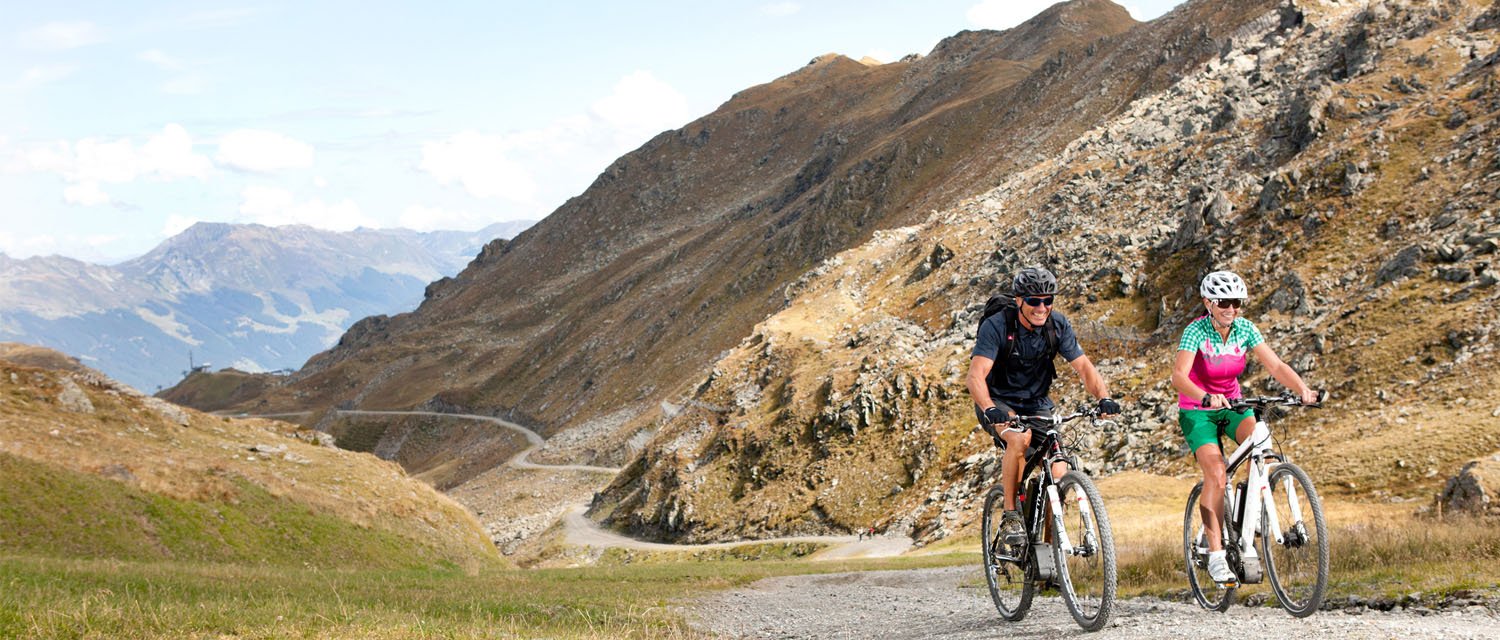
{"type": "Point", "coordinates": [580, 530]}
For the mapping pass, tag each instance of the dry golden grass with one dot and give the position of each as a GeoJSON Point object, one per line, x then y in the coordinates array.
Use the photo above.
{"type": "Point", "coordinates": [184, 455]}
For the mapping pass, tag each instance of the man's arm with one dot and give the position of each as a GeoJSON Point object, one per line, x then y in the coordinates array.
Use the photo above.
{"type": "Point", "coordinates": [979, 370]}
{"type": "Point", "coordinates": [1092, 381]}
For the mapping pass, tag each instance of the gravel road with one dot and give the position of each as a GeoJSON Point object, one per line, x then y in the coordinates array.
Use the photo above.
{"type": "Point", "coordinates": [952, 603]}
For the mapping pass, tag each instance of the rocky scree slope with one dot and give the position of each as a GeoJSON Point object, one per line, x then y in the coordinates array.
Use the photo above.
{"type": "Point", "coordinates": [1343, 157]}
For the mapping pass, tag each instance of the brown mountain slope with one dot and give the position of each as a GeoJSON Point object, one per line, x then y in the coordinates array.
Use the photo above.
{"type": "Point", "coordinates": [92, 468]}
{"type": "Point", "coordinates": [1342, 158]}
{"type": "Point", "coordinates": [623, 295]}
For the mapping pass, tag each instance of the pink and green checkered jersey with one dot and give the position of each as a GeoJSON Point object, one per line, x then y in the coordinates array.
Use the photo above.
{"type": "Point", "coordinates": [1217, 363]}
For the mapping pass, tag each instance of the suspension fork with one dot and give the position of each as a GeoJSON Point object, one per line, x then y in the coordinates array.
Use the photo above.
{"type": "Point", "coordinates": [1059, 533]}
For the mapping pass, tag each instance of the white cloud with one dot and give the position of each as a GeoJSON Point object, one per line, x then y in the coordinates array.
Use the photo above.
{"type": "Point", "coordinates": [272, 206]}
{"type": "Point", "coordinates": [570, 151]}
{"type": "Point", "coordinates": [423, 218]}
{"type": "Point", "coordinates": [780, 9]}
{"type": "Point", "coordinates": [481, 163]}
{"type": "Point", "coordinates": [170, 155]}
{"type": "Point", "coordinates": [26, 247]}
{"type": "Point", "coordinates": [85, 194]}
{"type": "Point", "coordinates": [642, 106]}
{"type": "Point", "coordinates": [57, 36]}
{"type": "Point", "coordinates": [90, 163]}
{"type": "Point", "coordinates": [263, 151]}
{"type": "Point", "coordinates": [1004, 14]}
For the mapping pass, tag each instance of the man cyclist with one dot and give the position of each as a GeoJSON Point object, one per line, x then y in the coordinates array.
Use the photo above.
{"type": "Point", "coordinates": [1210, 358]}
{"type": "Point", "coordinates": [1011, 370]}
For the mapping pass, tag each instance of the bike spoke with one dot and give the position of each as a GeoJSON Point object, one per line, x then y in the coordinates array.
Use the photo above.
{"type": "Point", "coordinates": [1195, 559]}
{"type": "Point", "coordinates": [1297, 564]}
{"type": "Point", "coordinates": [1086, 572]}
{"type": "Point", "coordinates": [1005, 569]}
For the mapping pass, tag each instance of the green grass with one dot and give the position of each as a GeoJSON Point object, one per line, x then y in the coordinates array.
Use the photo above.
{"type": "Point", "coordinates": [104, 518]}
{"type": "Point", "coordinates": [66, 598]}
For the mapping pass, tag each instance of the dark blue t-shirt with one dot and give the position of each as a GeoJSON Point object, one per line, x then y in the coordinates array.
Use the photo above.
{"type": "Point", "coordinates": [1023, 379]}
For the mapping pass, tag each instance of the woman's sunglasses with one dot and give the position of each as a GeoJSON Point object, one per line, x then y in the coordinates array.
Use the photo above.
{"type": "Point", "coordinates": [1037, 301]}
{"type": "Point", "coordinates": [1229, 303]}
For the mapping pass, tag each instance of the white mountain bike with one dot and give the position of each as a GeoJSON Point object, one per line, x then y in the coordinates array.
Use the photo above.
{"type": "Point", "coordinates": [1276, 511]}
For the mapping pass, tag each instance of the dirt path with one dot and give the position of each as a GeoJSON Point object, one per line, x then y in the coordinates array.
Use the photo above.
{"type": "Point", "coordinates": [952, 604]}
{"type": "Point", "coordinates": [580, 530]}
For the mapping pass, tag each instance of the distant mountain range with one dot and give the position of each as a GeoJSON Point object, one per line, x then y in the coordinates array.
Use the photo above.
{"type": "Point", "coordinates": [251, 297]}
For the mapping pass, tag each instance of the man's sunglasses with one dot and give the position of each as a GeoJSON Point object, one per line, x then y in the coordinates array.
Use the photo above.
{"type": "Point", "coordinates": [1037, 301]}
{"type": "Point", "coordinates": [1227, 303]}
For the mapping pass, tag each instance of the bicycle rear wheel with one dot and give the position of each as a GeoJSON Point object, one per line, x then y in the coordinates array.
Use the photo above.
{"type": "Point", "coordinates": [1297, 566]}
{"type": "Point", "coordinates": [1087, 573]}
{"type": "Point", "coordinates": [1195, 553]}
{"type": "Point", "coordinates": [1006, 567]}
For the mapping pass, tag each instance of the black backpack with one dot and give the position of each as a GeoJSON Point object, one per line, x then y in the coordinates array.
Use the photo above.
{"type": "Point", "coordinates": [1006, 303]}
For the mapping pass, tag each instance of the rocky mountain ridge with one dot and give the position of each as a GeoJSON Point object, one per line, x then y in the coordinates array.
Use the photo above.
{"type": "Point", "coordinates": [679, 247]}
{"type": "Point", "coordinates": [1339, 156]}
{"type": "Point", "coordinates": [256, 297]}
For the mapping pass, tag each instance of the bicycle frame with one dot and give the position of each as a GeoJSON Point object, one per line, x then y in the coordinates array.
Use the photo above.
{"type": "Point", "coordinates": [1049, 452]}
{"type": "Point", "coordinates": [1257, 493]}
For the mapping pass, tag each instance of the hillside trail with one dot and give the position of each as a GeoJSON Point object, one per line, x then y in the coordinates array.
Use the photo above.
{"type": "Point", "coordinates": [952, 603]}
{"type": "Point", "coordinates": [579, 530]}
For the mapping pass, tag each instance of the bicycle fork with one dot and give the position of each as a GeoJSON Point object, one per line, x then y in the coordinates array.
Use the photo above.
{"type": "Point", "coordinates": [1061, 533]}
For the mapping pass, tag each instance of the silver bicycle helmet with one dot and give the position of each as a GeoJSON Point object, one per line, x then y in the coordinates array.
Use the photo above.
{"type": "Point", "coordinates": [1035, 281]}
{"type": "Point", "coordinates": [1223, 285]}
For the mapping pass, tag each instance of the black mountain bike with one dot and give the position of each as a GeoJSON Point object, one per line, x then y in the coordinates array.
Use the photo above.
{"type": "Point", "coordinates": [1068, 542]}
{"type": "Point", "coordinates": [1273, 517]}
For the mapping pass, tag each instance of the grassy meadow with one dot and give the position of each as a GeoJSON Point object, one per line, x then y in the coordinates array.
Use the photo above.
{"type": "Point", "coordinates": [43, 597]}
{"type": "Point", "coordinates": [1378, 550]}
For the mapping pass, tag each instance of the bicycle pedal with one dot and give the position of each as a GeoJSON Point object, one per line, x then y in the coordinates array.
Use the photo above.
{"type": "Point", "coordinates": [1232, 584]}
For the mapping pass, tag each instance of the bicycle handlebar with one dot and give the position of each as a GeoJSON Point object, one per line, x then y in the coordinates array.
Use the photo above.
{"type": "Point", "coordinates": [1285, 399]}
{"type": "Point", "coordinates": [1050, 421]}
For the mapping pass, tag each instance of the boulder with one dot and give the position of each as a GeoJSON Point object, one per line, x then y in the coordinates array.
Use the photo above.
{"type": "Point", "coordinates": [1475, 490]}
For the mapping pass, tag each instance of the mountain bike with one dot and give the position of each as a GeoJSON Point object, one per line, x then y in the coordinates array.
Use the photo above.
{"type": "Point", "coordinates": [1068, 542]}
{"type": "Point", "coordinates": [1268, 510]}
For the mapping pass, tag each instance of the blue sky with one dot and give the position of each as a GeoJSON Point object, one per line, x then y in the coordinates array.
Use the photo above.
{"type": "Point", "coordinates": [122, 123]}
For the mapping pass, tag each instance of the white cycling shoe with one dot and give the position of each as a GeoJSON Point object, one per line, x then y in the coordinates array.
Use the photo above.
{"type": "Point", "coordinates": [1218, 569]}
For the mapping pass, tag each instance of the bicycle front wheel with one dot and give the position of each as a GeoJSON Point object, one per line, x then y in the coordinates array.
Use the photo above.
{"type": "Point", "coordinates": [1195, 554]}
{"type": "Point", "coordinates": [1086, 572]}
{"type": "Point", "coordinates": [1298, 565]}
{"type": "Point", "coordinates": [1006, 567]}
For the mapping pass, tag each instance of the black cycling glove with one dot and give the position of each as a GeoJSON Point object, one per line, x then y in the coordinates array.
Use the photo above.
{"type": "Point", "coordinates": [1107, 406]}
{"type": "Point", "coordinates": [997, 414]}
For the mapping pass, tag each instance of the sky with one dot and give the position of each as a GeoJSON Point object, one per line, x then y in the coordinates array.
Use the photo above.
{"type": "Point", "coordinates": [123, 123]}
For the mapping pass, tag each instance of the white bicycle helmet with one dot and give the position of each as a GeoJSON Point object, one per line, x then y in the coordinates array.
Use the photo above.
{"type": "Point", "coordinates": [1223, 285]}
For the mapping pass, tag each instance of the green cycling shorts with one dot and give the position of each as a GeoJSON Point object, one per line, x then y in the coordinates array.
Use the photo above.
{"type": "Point", "coordinates": [1199, 425]}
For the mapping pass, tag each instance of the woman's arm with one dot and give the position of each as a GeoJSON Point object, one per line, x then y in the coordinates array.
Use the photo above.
{"type": "Point", "coordinates": [1184, 385]}
{"type": "Point", "coordinates": [1283, 373]}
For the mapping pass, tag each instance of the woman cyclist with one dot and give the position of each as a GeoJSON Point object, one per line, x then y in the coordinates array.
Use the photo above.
{"type": "Point", "coordinates": [1210, 358]}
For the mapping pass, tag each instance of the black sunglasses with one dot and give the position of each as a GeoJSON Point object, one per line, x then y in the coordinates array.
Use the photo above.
{"type": "Point", "coordinates": [1037, 301]}
{"type": "Point", "coordinates": [1229, 302]}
